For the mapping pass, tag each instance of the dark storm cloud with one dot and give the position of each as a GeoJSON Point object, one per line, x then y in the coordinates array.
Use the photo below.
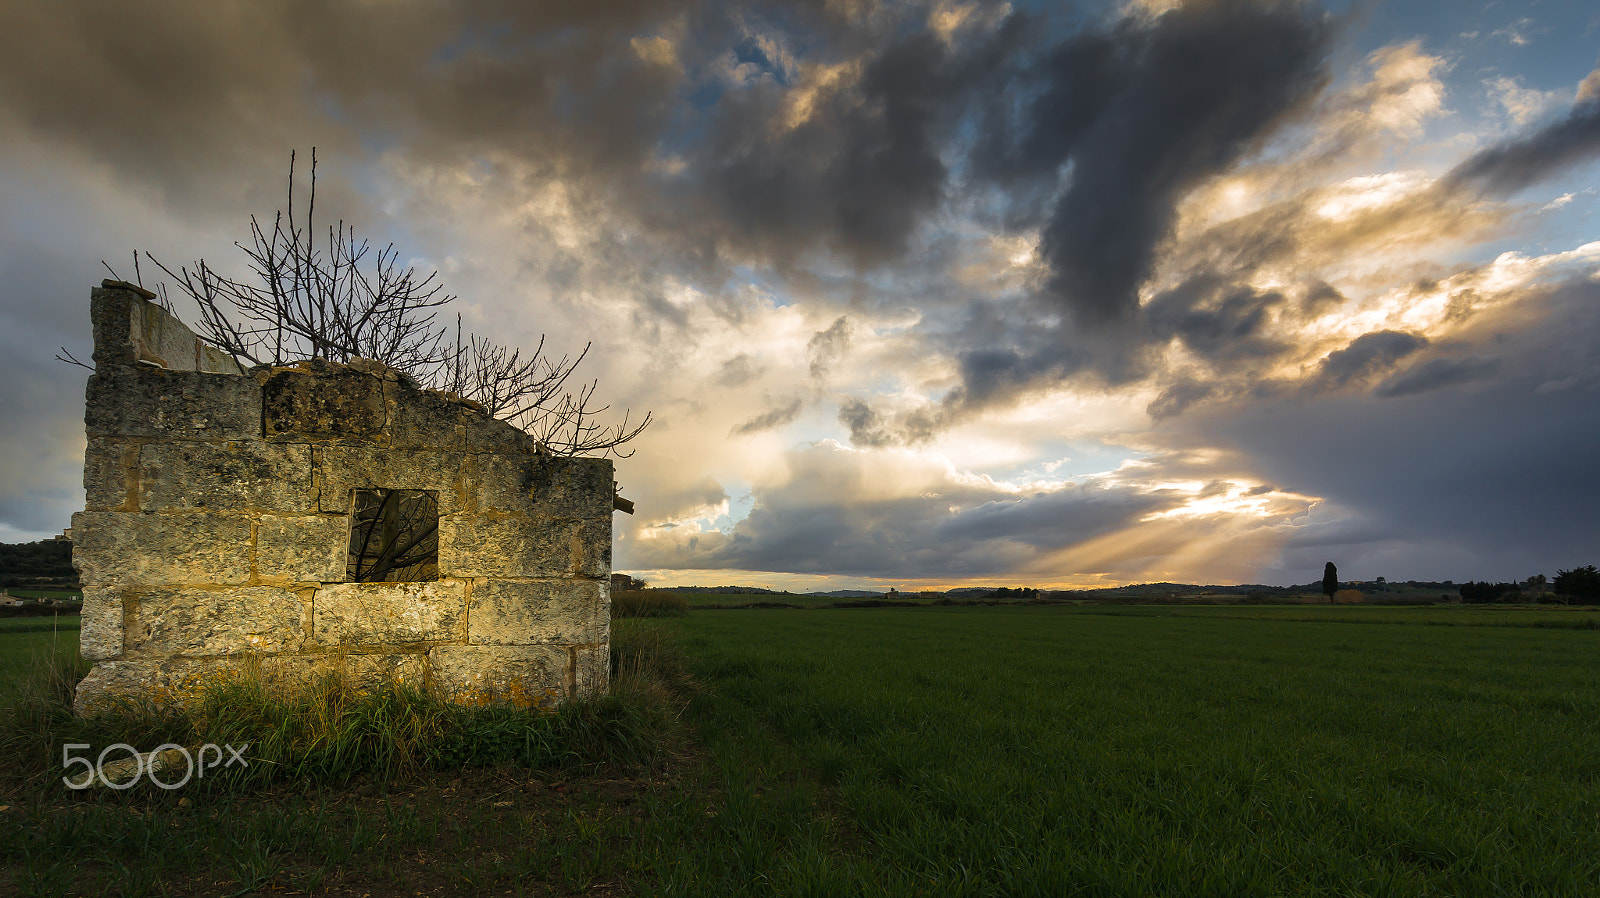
{"type": "Point", "coordinates": [999, 374]}
{"type": "Point", "coordinates": [1510, 166]}
{"type": "Point", "coordinates": [1174, 399]}
{"type": "Point", "coordinates": [687, 111]}
{"type": "Point", "coordinates": [827, 347]}
{"type": "Point", "coordinates": [1055, 519]}
{"type": "Point", "coordinates": [737, 371]}
{"type": "Point", "coordinates": [1137, 116]}
{"type": "Point", "coordinates": [49, 253]}
{"type": "Point", "coordinates": [867, 427]}
{"type": "Point", "coordinates": [601, 97]}
{"type": "Point", "coordinates": [858, 172]}
{"type": "Point", "coordinates": [1215, 319]}
{"type": "Point", "coordinates": [190, 96]}
{"type": "Point", "coordinates": [872, 429]}
{"type": "Point", "coordinates": [769, 420]}
{"type": "Point", "coordinates": [1319, 297]}
{"type": "Point", "coordinates": [1366, 355]}
{"type": "Point", "coordinates": [989, 376]}
{"type": "Point", "coordinates": [1492, 480]}
{"type": "Point", "coordinates": [1434, 374]}
{"type": "Point", "coordinates": [1119, 124]}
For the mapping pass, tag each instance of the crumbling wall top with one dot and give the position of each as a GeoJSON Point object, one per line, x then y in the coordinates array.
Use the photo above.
{"type": "Point", "coordinates": [131, 330]}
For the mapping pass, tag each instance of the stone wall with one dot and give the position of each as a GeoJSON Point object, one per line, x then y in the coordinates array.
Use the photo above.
{"type": "Point", "coordinates": [216, 535]}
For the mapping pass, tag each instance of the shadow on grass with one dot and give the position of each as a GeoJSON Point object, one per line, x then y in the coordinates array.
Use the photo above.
{"type": "Point", "coordinates": [330, 731]}
{"type": "Point", "coordinates": [378, 791]}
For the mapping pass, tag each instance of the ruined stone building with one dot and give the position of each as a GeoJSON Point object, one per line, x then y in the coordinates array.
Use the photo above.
{"type": "Point", "coordinates": [321, 518]}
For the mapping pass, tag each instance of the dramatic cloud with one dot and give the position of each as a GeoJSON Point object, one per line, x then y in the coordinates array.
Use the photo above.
{"type": "Point", "coordinates": [1215, 320]}
{"type": "Point", "coordinates": [1365, 356]}
{"type": "Point", "coordinates": [826, 348]}
{"type": "Point", "coordinates": [848, 158]}
{"type": "Point", "coordinates": [1517, 163]}
{"type": "Point", "coordinates": [1435, 374]}
{"type": "Point", "coordinates": [769, 420]}
{"type": "Point", "coordinates": [1174, 399]}
{"type": "Point", "coordinates": [917, 290]}
{"type": "Point", "coordinates": [1140, 114]}
{"type": "Point", "coordinates": [843, 511]}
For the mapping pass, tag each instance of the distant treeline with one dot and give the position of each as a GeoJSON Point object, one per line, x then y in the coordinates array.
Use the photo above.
{"type": "Point", "coordinates": [39, 609]}
{"type": "Point", "coordinates": [48, 561]}
{"type": "Point", "coordinates": [1579, 586]}
{"type": "Point", "coordinates": [741, 590]}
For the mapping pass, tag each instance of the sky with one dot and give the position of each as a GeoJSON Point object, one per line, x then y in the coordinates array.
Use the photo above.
{"type": "Point", "coordinates": [919, 294]}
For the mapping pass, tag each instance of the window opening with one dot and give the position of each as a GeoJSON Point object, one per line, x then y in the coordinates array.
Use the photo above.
{"type": "Point", "coordinates": [394, 536]}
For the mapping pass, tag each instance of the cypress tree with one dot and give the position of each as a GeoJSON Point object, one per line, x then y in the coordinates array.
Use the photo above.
{"type": "Point", "coordinates": [1330, 580]}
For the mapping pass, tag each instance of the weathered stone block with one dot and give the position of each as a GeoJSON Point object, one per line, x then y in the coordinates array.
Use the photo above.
{"type": "Point", "coordinates": [302, 549]}
{"type": "Point", "coordinates": [173, 405]}
{"type": "Point", "coordinates": [525, 612]}
{"type": "Point", "coordinates": [246, 475]}
{"type": "Point", "coordinates": [161, 338]}
{"type": "Point", "coordinates": [173, 682]}
{"type": "Point", "coordinates": [261, 619]}
{"type": "Point", "coordinates": [110, 475]}
{"type": "Point", "coordinates": [339, 405]}
{"type": "Point", "coordinates": [137, 549]}
{"type": "Point", "coordinates": [183, 682]}
{"type": "Point", "coordinates": [527, 675]}
{"type": "Point", "coordinates": [591, 674]}
{"type": "Point", "coordinates": [129, 329]}
{"type": "Point", "coordinates": [358, 671]}
{"type": "Point", "coordinates": [216, 361]}
{"type": "Point", "coordinates": [482, 433]}
{"type": "Point", "coordinates": [100, 633]}
{"type": "Point", "coordinates": [111, 313]}
{"type": "Point", "coordinates": [594, 549]}
{"type": "Point", "coordinates": [390, 613]}
{"type": "Point", "coordinates": [545, 486]}
{"type": "Point", "coordinates": [471, 546]}
{"type": "Point", "coordinates": [419, 419]}
{"type": "Point", "coordinates": [341, 469]}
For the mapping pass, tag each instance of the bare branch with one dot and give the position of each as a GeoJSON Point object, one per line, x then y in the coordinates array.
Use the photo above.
{"type": "Point", "coordinates": [345, 300]}
{"type": "Point", "coordinates": [65, 356]}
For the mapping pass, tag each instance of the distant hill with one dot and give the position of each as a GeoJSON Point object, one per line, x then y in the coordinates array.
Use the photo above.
{"type": "Point", "coordinates": [737, 590]}
{"type": "Point", "coordinates": [1133, 592]}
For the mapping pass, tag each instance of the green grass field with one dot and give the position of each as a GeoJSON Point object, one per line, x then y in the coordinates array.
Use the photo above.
{"type": "Point", "coordinates": [1083, 750]}
{"type": "Point", "coordinates": [1578, 617]}
{"type": "Point", "coordinates": [1117, 751]}
{"type": "Point", "coordinates": [704, 599]}
{"type": "Point", "coordinates": [24, 639]}
{"type": "Point", "coordinates": [45, 623]}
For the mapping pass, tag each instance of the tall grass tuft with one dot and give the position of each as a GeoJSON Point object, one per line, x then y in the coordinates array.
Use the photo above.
{"type": "Point", "coordinates": [331, 731]}
{"type": "Point", "coordinates": [648, 603]}
{"type": "Point", "coordinates": [38, 716]}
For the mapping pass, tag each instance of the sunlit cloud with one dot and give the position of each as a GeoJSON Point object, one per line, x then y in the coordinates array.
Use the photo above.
{"type": "Point", "coordinates": [918, 293]}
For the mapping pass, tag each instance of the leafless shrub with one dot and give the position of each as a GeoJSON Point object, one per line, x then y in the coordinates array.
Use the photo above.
{"type": "Point", "coordinates": [341, 299]}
